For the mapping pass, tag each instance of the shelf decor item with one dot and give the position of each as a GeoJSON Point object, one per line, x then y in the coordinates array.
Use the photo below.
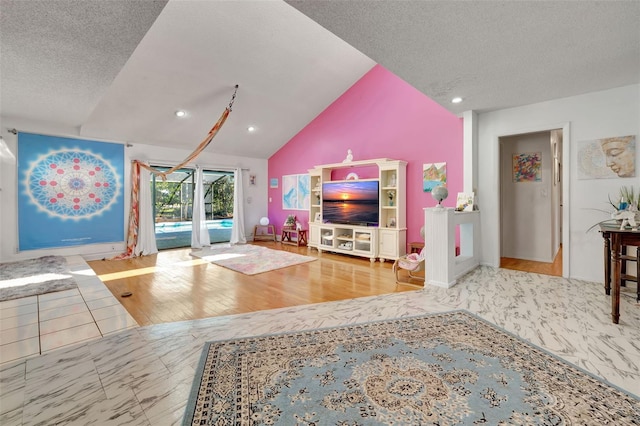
{"type": "Point", "coordinates": [440, 193]}
{"type": "Point", "coordinates": [464, 202]}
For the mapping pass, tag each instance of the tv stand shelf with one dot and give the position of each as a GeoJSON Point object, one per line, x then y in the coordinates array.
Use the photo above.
{"type": "Point", "coordinates": [348, 239]}
{"type": "Point", "coordinates": [387, 240]}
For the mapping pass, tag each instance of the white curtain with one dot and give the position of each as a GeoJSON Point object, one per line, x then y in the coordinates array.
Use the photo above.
{"type": "Point", "coordinates": [199, 230]}
{"type": "Point", "coordinates": [146, 243]}
{"type": "Point", "coordinates": [237, 230]}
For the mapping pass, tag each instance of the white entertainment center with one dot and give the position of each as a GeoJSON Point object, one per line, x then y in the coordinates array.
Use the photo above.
{"type": "Point", "coordinates": [388, 240]}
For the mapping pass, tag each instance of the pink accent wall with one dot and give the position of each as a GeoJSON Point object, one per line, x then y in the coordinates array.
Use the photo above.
{"type": "Point", "coordinates": [380, 116]}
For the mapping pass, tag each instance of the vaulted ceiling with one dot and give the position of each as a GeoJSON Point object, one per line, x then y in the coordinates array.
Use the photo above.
{"type": "Point", "coordinates": [120, 69]}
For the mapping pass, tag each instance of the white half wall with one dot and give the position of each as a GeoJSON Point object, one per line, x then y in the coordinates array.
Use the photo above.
{"type": "Point", "coordinates": [255, 196]}
{"type": "Point", "coordinates": [596, 115]}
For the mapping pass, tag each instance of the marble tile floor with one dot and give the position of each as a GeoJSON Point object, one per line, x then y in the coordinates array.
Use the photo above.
{"type": "Point", "coordinates": [143, 375]}
{"type": "Point", "coordinates": [35, 325]}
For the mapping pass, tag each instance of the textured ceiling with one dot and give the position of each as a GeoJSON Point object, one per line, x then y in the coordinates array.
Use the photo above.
{"type": "Point", "coordinates": [493, 54]}
{"type": "Point", "coordinates": [58, 58]}
{"type": "Point", "coordinates": [119, 69]}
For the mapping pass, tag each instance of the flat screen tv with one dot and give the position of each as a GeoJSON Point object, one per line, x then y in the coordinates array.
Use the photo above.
{"type": "Point", "coordinates": [351, 202]}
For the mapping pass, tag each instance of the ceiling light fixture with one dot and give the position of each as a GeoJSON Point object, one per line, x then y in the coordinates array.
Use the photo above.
{"type": "Point", "coordinates": [456, 100]}
{"type": "Point", "coordinates": [251, 129]}
{"type": "Point", "coordinates": [181, 113]}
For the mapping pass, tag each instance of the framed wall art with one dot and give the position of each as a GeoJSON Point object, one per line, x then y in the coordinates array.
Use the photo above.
{"type": "Point", "coordinates": [70, 192]}
{"type": "Point", "coordinates": [607, 158]}
{"type": "Point", "coordinates": [295, 192]}
{"type": "Point", "coordinates": [527, 167]}
{"type": "Point", "coordinates": [433, 174]}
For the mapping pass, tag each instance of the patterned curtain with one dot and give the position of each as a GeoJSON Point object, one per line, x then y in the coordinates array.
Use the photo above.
{"type": "Point", "coordinates": [141, 238]}
{"type": "Point", "coordinates": [134, 213]}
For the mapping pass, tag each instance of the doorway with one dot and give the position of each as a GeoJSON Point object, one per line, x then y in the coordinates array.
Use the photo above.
{"type": "Point", "coordinates": [531, 201]}
{"type": "Point", "coordinates": [173, 206]}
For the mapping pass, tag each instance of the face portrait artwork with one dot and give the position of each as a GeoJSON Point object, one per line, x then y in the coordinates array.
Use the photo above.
{"type": "Point", "coordinates": [620, 155]}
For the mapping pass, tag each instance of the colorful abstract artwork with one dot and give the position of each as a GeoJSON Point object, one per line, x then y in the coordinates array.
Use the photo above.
{"type": "Point", "coordinates": [433, 174]}
{"type": "Point", "coordinates": [527, 167]}
{"type": "Point", "coordinates": [70, 192]}
{"type": "Point", "coordinates": [295, 192]}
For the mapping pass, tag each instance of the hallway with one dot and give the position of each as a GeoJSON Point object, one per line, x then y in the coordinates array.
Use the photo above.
{"type": "Point", "coordinates": [553, 269]}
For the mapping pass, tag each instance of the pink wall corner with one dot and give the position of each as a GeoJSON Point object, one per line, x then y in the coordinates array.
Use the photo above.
{"type": "Point", "coordinates": [380, 116]}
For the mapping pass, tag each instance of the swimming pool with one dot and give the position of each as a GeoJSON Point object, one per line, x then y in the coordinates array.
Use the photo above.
{"type": "Point", "coordinates": [178, 234]}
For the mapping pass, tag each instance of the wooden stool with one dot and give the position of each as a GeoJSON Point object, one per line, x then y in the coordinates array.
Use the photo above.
{"type": "Point", "coordinates": [270, 235]}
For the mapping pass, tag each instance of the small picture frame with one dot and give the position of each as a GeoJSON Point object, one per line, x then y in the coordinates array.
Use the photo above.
{"type": "Point", "coordinates": [273, 183]}
{"type": "Point", "coordinates": [391, 223]}
{"type": "Point", "coordinates": [318, 217]}
{"type": "Point", "coordinates": [252, 179]}
{"type": "Point", "coordinates": [465, 202]}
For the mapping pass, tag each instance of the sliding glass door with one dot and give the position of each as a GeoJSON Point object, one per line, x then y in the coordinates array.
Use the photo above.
{"type": "Point", "coordinates": [173, 206]}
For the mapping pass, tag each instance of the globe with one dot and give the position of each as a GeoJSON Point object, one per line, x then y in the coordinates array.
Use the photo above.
{"type": "Point", "coordinates": [439, 193]}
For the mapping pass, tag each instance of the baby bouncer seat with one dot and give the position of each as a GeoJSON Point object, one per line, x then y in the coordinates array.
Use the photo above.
{"type": "Point", "coordinates": [411, 263]}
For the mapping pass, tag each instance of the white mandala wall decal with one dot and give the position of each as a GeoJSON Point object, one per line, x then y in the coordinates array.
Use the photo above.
{"type": "Point", "coordinates": [72, 184]}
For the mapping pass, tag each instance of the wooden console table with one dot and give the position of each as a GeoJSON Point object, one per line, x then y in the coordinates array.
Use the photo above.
{"type": "Point", "coordinates": [614, 240]}
{"type": "Point", "coordinates": [416, 247]}
{"type": "Point", "coordinates": [300, 234]}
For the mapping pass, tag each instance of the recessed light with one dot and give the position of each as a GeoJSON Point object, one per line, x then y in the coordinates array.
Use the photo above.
{"type": "Point", "coordinates": [251, 129]}
{"type": "Point", "coordinates": [181, 113]}
{"type": "Point", "coordinates": [456, 100]}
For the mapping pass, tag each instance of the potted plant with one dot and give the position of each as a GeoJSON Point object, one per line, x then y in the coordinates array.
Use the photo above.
{"type": "Point", "coordinates": [290, 222]}
{"type": "Point", "coordinates": [629, 199]}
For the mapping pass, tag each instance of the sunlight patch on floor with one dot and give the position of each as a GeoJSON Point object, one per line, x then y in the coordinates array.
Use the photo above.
{"type": "Point", "coordinates": [35, 279]}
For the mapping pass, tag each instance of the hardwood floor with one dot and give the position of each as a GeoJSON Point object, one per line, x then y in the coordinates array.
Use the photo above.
{"type": "Point", "coordinates": [173, 286]}
{"type": "Point", "coordinates": [554, 268]}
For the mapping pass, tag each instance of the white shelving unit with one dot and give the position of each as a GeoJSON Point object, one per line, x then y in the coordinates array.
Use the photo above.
{"type": "Point", "coordinates": [388, 240]}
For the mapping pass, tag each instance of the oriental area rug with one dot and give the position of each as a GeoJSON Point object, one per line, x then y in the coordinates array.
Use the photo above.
{"type": "Point", "coordinates": [32, 277]}
{"type": "Point", "coordinates": [250, 259]}
{"type": "Point", "coordinates": [441, 369]}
